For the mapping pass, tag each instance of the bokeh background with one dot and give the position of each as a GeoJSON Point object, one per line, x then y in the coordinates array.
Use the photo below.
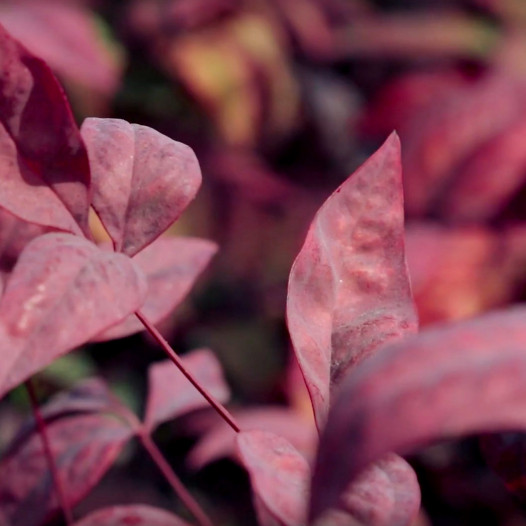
{"type": "Point", "coordinates": [281, 100]}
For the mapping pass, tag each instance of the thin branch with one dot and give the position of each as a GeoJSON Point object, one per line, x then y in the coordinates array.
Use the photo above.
{"type": "Point", "coordinates": [220, 408]}
{"type": "Point", "coordinates": [178, 487]}
{"type": "Point", "coordinates": [41, 424]}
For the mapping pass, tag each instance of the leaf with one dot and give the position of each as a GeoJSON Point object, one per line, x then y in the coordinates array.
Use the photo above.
{"type": "Point", "coordinates": [386, 493]}
{"type": "Point", "coordinates": [348, 288]}
{"type": "Point", "coordinates": [444, 135]}
{"type": "Point", "coordinates": [15, 234]}
{"type": "Point", "coordinates": [452, 380]}
{"type": "Point", "coordinates": [171, 394]}
{"type": "Point", "coordinates": [64, 35]}
{"type": "Point", "coordinates": [84, 448]}
{"type": "Point", "coordinates": [142, 180]}
{"type": "Point", "coordinates": [62, 291]}
{"type": "Point", "coordinates": [135, 514]}
{"type": "Point", "coordinates": [171, 265]}
{"type": "Point", "coordinates": [279, 474]}
{"type": "Point", "coordinates": [477, 194]}
{"type": "Point", "coordinates": [219, 442]}
{"type": "Point", "coordinates": [43, 162]}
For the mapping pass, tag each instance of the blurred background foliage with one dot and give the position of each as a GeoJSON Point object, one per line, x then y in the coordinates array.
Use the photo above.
{"type": "Point", "coordinates": [282, 100]}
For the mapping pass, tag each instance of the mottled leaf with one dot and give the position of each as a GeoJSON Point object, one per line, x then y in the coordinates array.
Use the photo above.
{"type": "Point", "coordinates": [455, 379]}
{"type": "Point", "coordinates": [171, 266]}
{"type": "Point", "coordinates": [62, 291]}
{"type": "Point", "coordinates": [171, 394]}
{"type": "Point", "coordinates": [84, 448]}
{"type": "Point", "coordinates": [279, 474]}
{"type": "Point", "coordinates": [44, 165]}
{"type": "Point", "coordinates": [348, 289]}
{"type": "Point", "coordinates": [132, 515]}
{"type": "Point", "coordinates": [142, 180]}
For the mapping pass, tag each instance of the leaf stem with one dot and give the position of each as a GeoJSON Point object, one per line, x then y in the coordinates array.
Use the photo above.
{"type": "Point", "coordinates": [191, 504]}
{"type": "Point", "coordinates": [219, 408]}
{"type": "Point", "coordinates": [41, 424]}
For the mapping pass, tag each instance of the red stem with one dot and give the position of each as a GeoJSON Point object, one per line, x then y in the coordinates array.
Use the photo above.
{"type": "Point", "coordinates": [220, 408]}
{"type": "Point", "coordinates": [174, 481]}
{"type": "Point", "coordinates": [41, 424]}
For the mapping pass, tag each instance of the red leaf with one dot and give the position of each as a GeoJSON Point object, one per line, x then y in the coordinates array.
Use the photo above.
{"type": "Point", "coordinates": [62, 291]}
{"type": "Point", "coordinates": [142, 180]}
{"type": "Point", "coordinates": [84, 447]}
{"type": "Point", "coordinates": [456, 379]}
{"type": "Point", "coordinates": [279, 474]}
{"type": "Point", "coordinates": [478, 193]}
{"type": "Point", "coordinates": [219, 441]}
{"type": "Point", "coordinates": [444, 135]}
{"type": "Point", "coordinates": [64, 35]}
{"type": "Point", "coordinates": [44, 165]}
{"type": "Point", "coordinates": [348, 288]}
{"type": "Point", "coordinates": [171, 394]}
{"type": "Point", "coordinates": [171, 265]}
{"type": "Point", "coordinates": [133, 515]}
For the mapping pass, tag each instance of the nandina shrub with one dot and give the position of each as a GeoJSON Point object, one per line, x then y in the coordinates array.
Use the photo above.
{"type": "Point", "coordinates": [378, 389]}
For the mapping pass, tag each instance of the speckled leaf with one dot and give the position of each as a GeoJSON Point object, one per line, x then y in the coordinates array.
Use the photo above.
{"type": "Point", "coordinates": [279, 474]}
{"type": "Point", "coordinates": [456, 379]}
{"type": "Point", "coordinates": [135, 514]}
{"type": "Point", "coordinates": [142, 180]}
{"type": "Point", "coordinates": [171, 394]}
{"type": "Point", "coordinates": [348, 288]}
{"type": "Point", "coordinates": [171, 266]}
{"type": "Point", "coordinates": [62, 291]}
{"type": "Point", "coordinates": [84, 447]}
{"type": "Point", "coordinates": [43, 163]}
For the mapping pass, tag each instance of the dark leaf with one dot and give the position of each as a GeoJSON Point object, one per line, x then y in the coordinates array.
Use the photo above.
{"type": "Point", "coordinates": [84, 447]}
{"type": "Point", "coordinates": [44, 165]}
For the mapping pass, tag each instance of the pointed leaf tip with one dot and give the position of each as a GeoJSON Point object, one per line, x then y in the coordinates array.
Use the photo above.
{"type": "Point", "coordinates": [348, 288]}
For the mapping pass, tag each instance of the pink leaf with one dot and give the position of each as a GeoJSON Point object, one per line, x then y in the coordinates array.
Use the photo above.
{"type": "Point", "coordinates": [133, 515]}
{"type": "Point", "coordinates": [171, 394]}
{"type": "Point", "coordinates": [219, 441]}
{"type": "Point", "coordinates": [64, 35]}
{"type": "Point", "coordinates": [171, 265]}
{"type": "Point", "coordinates": [348, 288]}
{"type": "Point", "coordinates": [386, 493]}
{"type": "Point", "coordinates": [279, 474]}
{"type": "Point", "coordinates": [84, 447]}
{"type": "Point", "coordinates": [15, 234]}
{"type": "Point", "coordinates": [44, 165]}
{"type": "Point", "coordinates": [62, 291]}
{"type": "Point", "coordinates": [456, 379]}
{"type": "Point", "coordinates": [142, 180]}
